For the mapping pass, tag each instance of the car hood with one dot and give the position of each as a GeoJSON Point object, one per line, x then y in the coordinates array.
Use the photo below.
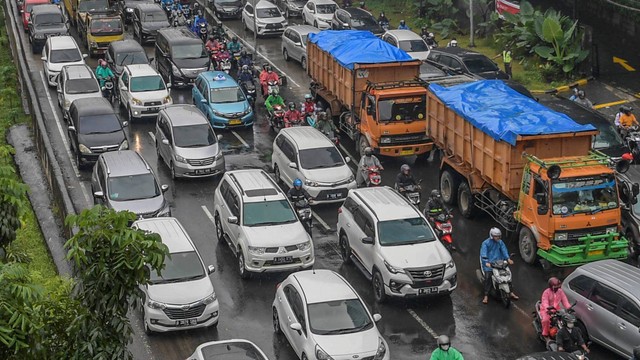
{"type": "Point", "coordinates": [375, 29]}
{"type": "Point", "coordinates": [493, 75]}
{"type": "Point", "coordinates": [58, 66]}
{"type": "Point", "coordinates": [276, 235]}
{"type": "Point", "coordinates": [154, 25]}
{"type": "Point", "coordinates": [328, 175]}
{"type": "Point", "coordinates": [272, 20]}
{"type": "Point", "coordinates": [74, 97]}
{"type": "Point", "coordinates": [157, 95]}
{"type": "Point", "coordinates": [141, 206]}
{"type": "Point", "coordinates": [359, 343]}
{"type": "Point", "coordinates": [417, 255]}
{"type": "Point", "coordinates": [103, 139]}
{"type": "Point", "coordinates": [198, 63]}
{"type": "Point", "coordinates": [179, 293]}
{"type": "Point", "coordinates": [199, 152]}
{"type": "Point", "coordinates": [230, 108]}
{"type": "Point", "coordinates": [419, 55]}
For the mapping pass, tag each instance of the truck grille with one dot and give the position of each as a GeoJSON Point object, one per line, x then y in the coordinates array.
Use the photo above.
{"type": "Point", "coordinates": [426, 276]}
{"type": "Point", "coordinates": [405, 139]}
{"type": "Point", "coordinates": [180, 313]}
{"type": "Point", "coordinates": [201, 162]}
{"type": "Point", "coordinates": [574, 236]}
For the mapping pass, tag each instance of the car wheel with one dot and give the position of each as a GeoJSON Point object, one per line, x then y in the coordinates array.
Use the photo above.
{"type": "Point", "coordinates": [147, 331]}
{"type": "Point", "coordinates": [242, 269]}
{"type": "Point", "coordinates": [466, 201]}
{"type": "Point", "coordinates": [345, 249]}
{"type": "Point", "coordinates": [276, 172]}
{"type": "Point", "coordinates": [285, 54]}
{"type": "Point", "coordinates": [276, 322]}
{"type": "Point", "coordinates": [448, 187]}
{"type": "Point", "coordinates": [527, 245]}
{"type": "Point", "coordinates": [303, 62]}
{"type": "Point", "coordinates": [304, 357]}
{"type": "Point", "coordinates": [172, 168]}
{"type": "Point", "coordinates": [378, 287]}
{"type": "Point", "coordinates": [219, 229]}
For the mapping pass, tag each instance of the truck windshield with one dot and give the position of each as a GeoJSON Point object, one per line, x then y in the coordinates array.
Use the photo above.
{"type": "Point", "coordinates": [402, 109]}
{"type": "Point", "coordinates": [106, 27]}
{"type": "Point", "coordinates": [583, 195]}
{"type": "Point", "coordinates": [404, 232]}
{"type": "Point", "coordinates": [93, 6]}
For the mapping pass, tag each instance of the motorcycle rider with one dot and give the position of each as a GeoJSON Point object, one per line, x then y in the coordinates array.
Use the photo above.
{"type": "Point", "coordinates": [582, 99]}
{"type": "Point", "coordinates": [180, 19]}
{"type": "Point", "coordinates": [367, 161]}
{"type": "Point", "coordinates": [405, 178]}
{"type": "Point", "coordinates": [234, 45]}
{"type": "Point", "coordinates": [382, 20]}
{"type": "Point", "coordinates": [197, 21]}
{"type": "Point", "coordinates": [453, 43]}
{"type": "Point", "coordinates": [424, 32]}
{"type": "Point", "coordinates": [435, 206]}
{"type": "Point", "coordinates": [245, 75]}
{"type": "Point", "coordinates": [553, 296]}
{"type": "Point", "coordinates": [626, 120]}
{"type": "Point", "coordinates": [493, 249]}
{"type": "Point", "coordinates": [212, 44]}
{"type": "Point", "coordinates": [266, 76]}
{"type": "Point", "coordinates": [297, 193]}
{"type": "Point", "coordinates": [308, 107]}
{"type": "Point", "coordinates": [245, 59]}
{"type": "Point", "coordinates": [293, 116]}
{"type": "Point", "coordinates": [218, 31]}
{"type": "Point", "coordinates": [403, 25]}
{"type": "Point", "coordinates": [431, 40]}
{"type": "Point", "coordinates": [445, 351]}
{"type": "Point", "coordinates": [273, 99]}
{"type": "Point", "coordinates": [103, 72]}
{"type": "Point", "coordinates": [569, 338]}
{"type": "Point", "coordinates": [324, 125]}
{"type": "Point", "coordinates": [221, 55]}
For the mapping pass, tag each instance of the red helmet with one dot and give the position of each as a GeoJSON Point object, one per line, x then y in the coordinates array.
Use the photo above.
{"type": "Point", "coordinates": [554, 282]}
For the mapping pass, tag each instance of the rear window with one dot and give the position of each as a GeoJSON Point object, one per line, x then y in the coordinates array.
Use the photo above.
{"type": "Point", "coordinates": [82, 86]}
{"type": "Point", "coordinates": [48, 19]}
{"type": "Point", "coordinates": [414, 45]}
{"type": "Point", "coordinates": [64, 56]}
{"type": "Point", "coordinates": [99, 124]}
{"type": "Point", "coordinates": [479, 64]}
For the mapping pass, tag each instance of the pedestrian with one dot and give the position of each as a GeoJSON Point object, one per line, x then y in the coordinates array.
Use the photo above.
{"type": "Point", "coordinates": [636, 353]}
{"type": "Point", "coordinates": [506, 59]}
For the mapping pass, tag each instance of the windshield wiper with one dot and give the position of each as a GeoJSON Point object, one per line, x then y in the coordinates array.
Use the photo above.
{"type": "Point", "coordinates": [348, 330]}
{"type": "Point", "coordinates": [267, 223]}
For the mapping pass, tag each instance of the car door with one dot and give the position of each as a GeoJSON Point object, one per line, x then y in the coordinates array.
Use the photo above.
{"type": "Point", "coordinates": [233, 203]}
{"type": "Point", "coordinates": [60, 90]}
{"type": "Point", "coordinates": [289, 151]}
{"type": "Point", "coordinates": [279, 159]}
{"type": "Point", "coordinates": [347, 218]}
{"type": "Point", "coordinates": [357, 234]}
{"type": "Point", "coordinates": [296, 46]}
{"type": "Point", "coordinates": [165, 134]}
{"type": "Point", "coordinates": [298, 338]}
{"type": "Point", "coordinates": [135, 20]}
{"type": "Point", "coordinates": [310, 10]}
{"type": "Point", "coordinates": [123, 88]}
{"type": "Point", "coordinates": [602, 305]}
{"type": "Point", "coordinates": [286, 315]}
{"type": "Point", "coordinates": [628, 325]}
{"type": "Point", "coordinates": [250, 13]}
{"type": "Point", "coordinates": [196, 94]}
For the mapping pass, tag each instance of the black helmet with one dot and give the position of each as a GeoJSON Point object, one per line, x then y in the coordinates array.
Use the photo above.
{"type": "Point", "coordinates": [322, 115]}
{"type": "Point", "coordinates": [292, 106]}
{"type": "Point", "coordinates": [264, 66]}
{"type": "Point", "coordinates": [402, 22]}
{"type": "Point", "coordinates": [568, 318]}
{"type": "Point", "coordinates": [234, 39]}
{"type": "Point", "coordinates": [435, 194]}
{"type": "Point", "coordinates": [424, 28]}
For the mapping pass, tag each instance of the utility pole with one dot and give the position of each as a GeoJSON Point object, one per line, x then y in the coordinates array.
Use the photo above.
{"type": "Point", "coordinates": [472, 30]}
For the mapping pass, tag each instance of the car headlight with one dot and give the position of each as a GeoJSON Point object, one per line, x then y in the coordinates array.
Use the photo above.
{"type": "Point", "coordinates": [180, 159]}
{"type": "Point", "coordinates": [155, 304]}
{"type": "Point", "coordinates": [385, 140]}
{"type": "Point", "coordinates": [84, 149]}
{"type": "Point", "coordinates": [124, 145]}
{"type": "Point", "coordinates": [285, 23]}
{"type": "Point", "coordinates": [560, 236]}
{"type": "Point", "coordinates": [257, 250]}
{"type": "Point", "coordinates": [321, 355]}
{"type": "Point", "coordinates": [304, 246]}
{"type": "Point", "coordinates": [382, 350]}
{"type": "Point", "coordinates": [209, 299]}
{"type": "Point", "coordinates": [167, 100]}
{"type": "Point", "coordinates": [175, 70]}
{"type": "Point", "coordinates": [219, 156]}
{"type": "Point", "coordinates": [392, 269]}
{"type": "Point", "coordinates": [325, 20]}
{"type": "Point", "coordinates": [451, 264]}
{"type": "Point", "coordinates": [129, 10]}
{"type": "Point", "coordinates": [310, 182]}
{"type": "Point", "coordinates": [165, 211]}
{"type": "Point", "coordinates": [352, 178]}
{"type": "Point", "coordinates": [217, 113]}
{"type": "Point", "coordinates": [135, 101]}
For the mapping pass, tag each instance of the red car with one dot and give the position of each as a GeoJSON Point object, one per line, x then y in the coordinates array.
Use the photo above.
{"type": "Point", "coordinates": [26, 11]}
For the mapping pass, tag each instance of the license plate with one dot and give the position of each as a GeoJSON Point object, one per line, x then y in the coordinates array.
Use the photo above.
{"type": "Point", "coordinates": [235, 122]}
{"type": "Point", "coordinates": [186, 322]}
{"type": "Point", "coordinates": [429, 290]}
{"type": "Point", "coordinates": [406, 152]}
{"type": "Point", "coordinates": [283, 260]}
{"type": "Point", "coordinates": [154, 109]}
{"type": "Point", "coordinates": [203, 171]}
{"type": "Point", "coordinates": [596, 252]}
{"type": "Point", "coordinates": [335, 196]}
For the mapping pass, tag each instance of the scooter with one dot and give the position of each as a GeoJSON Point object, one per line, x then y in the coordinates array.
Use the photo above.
{"type": "Point", "coordinates": [384, 25]}
{"type": "Point", "coordinates": [271, 86]}
{"type": "Point", "coordinates": [411, 192]}
{"type": "Point", "coordinates": [107, 90]}
{"type": "Point", "coordinates": [276, 117]}
{"type": "Point", "coordinates": [500, 280]}
{"type": "Point", "coordinates": [374, 177]}
{"type": "Point", "coordinates": [444, 228]}
{"type": "Point", "coordinates": [235, 57]}
{"type": "Point", "coordinates": [249, 88]}
{"type": "Point", "coordinates": [203, 32]}
{"type": "Point", "coordinates": [186, 11]}
{"type": "Point", "coordinates": [225, 65]}
{"type": "Point", "coordinates": [304, 213]}
{"type": "Point", "coordinates": [555, 323]}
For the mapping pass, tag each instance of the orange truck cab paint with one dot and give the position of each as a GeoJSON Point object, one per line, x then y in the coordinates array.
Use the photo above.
{"type": "Point", "coordinates": [26, 11]}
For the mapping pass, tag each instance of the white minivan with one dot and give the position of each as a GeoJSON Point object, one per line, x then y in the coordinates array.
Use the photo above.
{"type": "Point", "coordinates": [304, 153]}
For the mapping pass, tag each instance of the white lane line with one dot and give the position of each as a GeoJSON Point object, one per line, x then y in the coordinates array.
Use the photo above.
{"type": "Point", "coordinates": [240, 138]}
{"type": "Point", "coordinates": [319, 219]}
{"type": "Point", "coordinates": [83, 187]}
{"type": "Point", "coordinates": [353, 160]}
{"type": "Point", "coordinates": [153, 137]}
{"type": "Point", "coordinates": [527, 315]}
{"type": "Point", "coordinates": [208, 213]}
{"type": "Point", "coordinates": [423, 323]}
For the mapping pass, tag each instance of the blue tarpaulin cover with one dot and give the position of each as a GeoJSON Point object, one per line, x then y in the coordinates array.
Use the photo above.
{"type": "Point", "coordinates": [502, 112]}
{"type": "Point", "coordinates": [351, 47]}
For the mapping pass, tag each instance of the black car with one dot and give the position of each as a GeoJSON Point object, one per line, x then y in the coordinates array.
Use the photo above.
{"type": "Point", "coordinates": [147, 20]}
{"type": "Point", "coordinates": [549, 355]}
{"type": "Point", "coordinates": [228, 8]}
{"type": "Point", "coordinates": [355, 19]}
{"type": "Point", "coordinates": [467, 61]}
{"type": "Point", "coordinates": [94, 128]}
{"type": "Point", "coordinates": [44, 21]}
{"type": "Point", "coordinates": [125, 52]}
{"type": "Point", "coordinates": [628, 189]}
{"type": "Point", "coordinates": [180, 56]}
{"type": "Point", "coordinates": [290, 7]}
{"type": "Point", "coordinates": [126, 8]}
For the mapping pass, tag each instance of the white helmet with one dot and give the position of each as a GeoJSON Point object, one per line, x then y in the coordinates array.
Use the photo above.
{"type": "Point", "coordinates": [495, 232]}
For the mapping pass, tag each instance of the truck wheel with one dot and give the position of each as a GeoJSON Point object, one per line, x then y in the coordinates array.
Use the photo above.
{"type": "Point", "coordinates": [362, 144]}
{"type": "Point", "coordinates": [465, 200]}
{"type": "Point", "coordinates": [527, 245]}
{"type": "Point", "coordinates": [449, 187]}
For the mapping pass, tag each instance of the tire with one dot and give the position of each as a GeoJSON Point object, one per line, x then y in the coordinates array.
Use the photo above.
{"type": "Point", "coordinates": [276, 322]}
{"type": "Point", "coordinates": [466, 201]}
{"type": "Point", "coordinates": [506, 300]}
{"type": "Point", "coordinates": [449, 187]}
{"type": "Point", "coordinates": [147, 331]}
{"type": "Point", "coordinates": [378, 287]}
{"type": "Point", "coordinates": [285, 54]}
{"type": "Point", "coordinates": [345, 249]}
{"type": "Point", "coordinates": [362, 144]}
{"type": "Point", "coordinates": [172, 169]}
{"type": "Point", "coordinates": [527, 245]}
{"type": "Point", "coordinates": [242, 270]}
{"type": "Point", "coordinates": [278, 176]}
{"type": "Point", "coordinates": [303, 63]}
{"type": "Point", "coordinates": [304, 357]}
{"type": "Point", "coordinates": [219, 229]}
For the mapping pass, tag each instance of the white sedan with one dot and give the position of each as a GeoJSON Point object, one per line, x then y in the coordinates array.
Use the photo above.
{"type": "Point", "coordinates": [323, 318]}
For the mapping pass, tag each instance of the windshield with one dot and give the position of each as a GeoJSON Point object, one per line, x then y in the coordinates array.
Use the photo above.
{"type": "Point", "coordinates": [269, 13]}
{"type": "Point", "coordinates": [402, 109]}
{"type": "Point", "coordinates": [192, 51]}
{"type": "Point", "coordinates": [133, 187]}
{"type": "Point", "coordinates": [364, 22]}
{"type": "Point", "coordinates": [81, 86]}
{"type": "Point", "coordinates": [226, 95]}
{"type": "Point", "coordinates": [574, 195]}
{"type": "Point", "coordinates": [326, 8]}
{"type": "Point", "coordinates": [147, 83]}
{"type": "Point", "coordinates": [154, 16]}
{"type": "Point", "coordinates": [404, 232]}
{"type": "Point", "coordinates": [48, 19]}
{"type": "Point", "coordinates": [193, 136]}
{"type": "Point", "coordinates": [320, 158]}
{"type": "Point", "coordinates": [479, 64]}
{"type": "Point", "coordinates": [413, 45]}
{"type": "Point", "coordinates": [268, 213]}
{"type": "Point", "coordinates": [106, 27]}
{"type": "Point", "coordinates": [64, 56]}
{"type": "Point", "coordinates": [131, 58]}
{"type": "Point", "coordinates": [178, 267]}
{"type": "Point", "coordinates": [608, 137]}
{"type": "Point", "coordinates": [98, 124]}
{"type": "Point", "coordinates": [92, 6]}
{"type": "Point", "coordinates": [338, 317]}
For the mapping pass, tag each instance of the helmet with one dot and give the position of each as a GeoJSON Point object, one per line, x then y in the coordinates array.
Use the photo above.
{"type": "Point", "coordinates": [626, 109]}
{"type": "Point", "coordinates": [264, 66]}
{"type": "Point", "coordinates": [199, 13]}
{"type": "Point", "coordinates": [234, 39]}
{"type": "Point", "coordinates": [308, 97]}
{"type": "Point", "coordinates": [102, 62]}
{"type": "Point", "coordinates": [424, 28]}
{"type": "Point", "coordinates": [453, 42]}
{"type": "Point", "coordinates": [268, 68]}
{"type": "Point", "coordinates": [443, 342]}
{"type": "Point", "coordinates": [211, 38]}
{"type": "Point", "coordinates": [554, 282]}
{"type": "Point", "coordinates": [368, 151]}
{"type": "Point", "coordinates": [404, 168]}
{"type": "Point", "coordinates": [581, 94]}
{"type": "Point", "coordinates": [245, 67]}
{"type": "Point", "coordinates": [297, 183]}
{"type": "Point", "coordinates": [381, 14]}
{"type": "Point", "coordinates": [179, 11]}
{"type": "Point", "coordinates": [292, 105]}
{"type": "Point", "coordinates": [195, 5]}
{"type": "Point", "coordinates": [431, 35]}
{"type": "Point", "coordinates": [495, 232]}
{"type": "Point", "coordinates": [274, 91]}
{"type": "Point", "coordinates": [435, 194]}
{"type": "Point", "coordinates": [402, 22]}
{"type": "Point", "coordinates": [322, 115]}
{"type": "Point", "coordinates": [568, 318]}
{"type": "Point", "coordinates": [319, 104]}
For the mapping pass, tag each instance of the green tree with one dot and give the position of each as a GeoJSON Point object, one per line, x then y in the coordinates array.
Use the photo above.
{"type": "Point", "coordinates": [13, 199]}
{"type": "Point", "coordinates": [112, 260]}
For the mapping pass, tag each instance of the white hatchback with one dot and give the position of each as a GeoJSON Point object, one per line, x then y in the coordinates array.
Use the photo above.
{"type": "Point", "coordinates": [142, 91]}
{"type": "Point", "coordinates": [319, 13]}
{"type": "Point", "coordinates": [57, 52]}
{"type": "Point", "coordinates": [323, 317]}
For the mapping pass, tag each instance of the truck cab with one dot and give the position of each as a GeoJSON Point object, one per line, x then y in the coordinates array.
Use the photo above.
{"type": "Point", "coordinates": [101, 30]}
{"type": "Point", "coordinates": [84, 9]}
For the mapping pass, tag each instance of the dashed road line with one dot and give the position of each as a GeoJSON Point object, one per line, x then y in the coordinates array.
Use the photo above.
{"type": "Point", "coordinates": [319, 219]}
{"type": "Point", "coordinates": [208, 213]}
{"type": "Point", "coordinates": [353, 160]}
{"type": "Point", "coordinates": [526, 314]}
{"type": "Point", "coordinates": [423, 323]}
{"type": "Point", "coordinates": [153, 137]}
{"type": "Point", "coordinates": [241, 139]}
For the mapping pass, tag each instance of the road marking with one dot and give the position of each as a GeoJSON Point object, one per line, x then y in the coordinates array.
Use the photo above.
{"type": "Point", "coordinates": [609, 104]}
{"type": "Point", "coordinates": [423, 323]}
{"type": "Point", "coordinates": [623, 63]}
{"type": "Point", "coordinates": [153, 137]}
{"type": "Point", "coordinates": [319, 219]}
{"type": "Point", "coordinates": [353, 159]}
{"type": "Point", "coordinates": [83, 187]}
{"type": "Point", "coordinates": [206, 212]}
{"type": "Point", "coordinates": [240, 138]}
{"type": "Point", "coordinates": [526, 314]}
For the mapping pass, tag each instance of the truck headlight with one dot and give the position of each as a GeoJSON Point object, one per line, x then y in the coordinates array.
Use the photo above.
{"type": "Point", "coordinates": [321, 354]}
{"type": "Point", "coordinates": [209, 299]}
{"type": "Point", "coordinates": [304, 246]}
{"type": "Point", "coordinates": [254, 250]}
{"type": "Point", "coordinates": [612, 229]}
{"type": "Point", "coordinates": [382, 350]}
{"type": "Point", "coordinates": [167, 100]}
{"type": "Point", "coordinates": [124, 145]}
{"type": "Point", "coordinates": [392, 269]}
{"type": "Point", "coordinates": [156, 305]}
{"type": "Point", "coordinates": [385, 140]}
{"type": "Point", "coordinates": [129, 10]}
{"type": "Point", "coordinates": [84, 149]}
{"type": "Point", "coordinates": [135, 101]}
{"type": "Point", "coordinates": [93, 44]}
{"type": "Point", "coordinates": [560, 236]}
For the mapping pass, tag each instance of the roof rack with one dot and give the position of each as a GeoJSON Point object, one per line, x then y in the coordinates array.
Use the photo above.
{"type": "Point", "coordinates": [595, 157]}
{"type": "Point", "coordinates": [395, 84]}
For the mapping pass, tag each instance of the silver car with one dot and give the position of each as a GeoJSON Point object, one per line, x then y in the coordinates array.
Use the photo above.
{"type": "Point", "coordinates": [607, 296]}
{"type": "Point", "coordinates": [294, 43]}
{"type": "Point", "coordinates": [187, 144]}
{"type": "Point", "coordinates": [76, 82]}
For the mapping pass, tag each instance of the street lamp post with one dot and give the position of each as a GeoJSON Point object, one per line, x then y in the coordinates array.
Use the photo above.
{"type": "Point", "coordinates": [471, 30]}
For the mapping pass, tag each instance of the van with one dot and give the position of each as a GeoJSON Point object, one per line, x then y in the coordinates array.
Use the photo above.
{"type": "Point", "coordinates": [180, 56]}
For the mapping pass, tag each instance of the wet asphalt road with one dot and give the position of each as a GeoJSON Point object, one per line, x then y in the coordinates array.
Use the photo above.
{"type": "Point", "coordinates": [479, 331]}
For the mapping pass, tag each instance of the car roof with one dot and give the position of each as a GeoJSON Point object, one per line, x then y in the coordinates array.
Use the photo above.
{"type": "Point", "coordinates": [404, 34]}
{"type": "Point", "coordinates": [323, 286]}
{"type": "Point", "coordinates": [146, 6]}
{"type": "Point", "coordinates": [184, 114]}
{"type": "Point", "coordinates": [209, 77]}
{"type": "Point", "coordinates": [179, 35]}
{"type": "Point", "coordinates": [126, 45]}
{"type": "Point", "coordinates": [37, 2]}
{"type": "Point", "coordinates": [323, 2]}
{"type": "Point", "coordinates": [46, 9]}
{"type": "Point", "coordinates": [357, 12]}
{"type": "Point", "coordinates": [93, 106]}
{"type": "Point", "coordinates": [62, 42]}
{"type": "Point", "coordinates": [455, 50]}
{"type": "Point", "coordinates": [307, 137]}
{"type": "Point", "coordinates": [77, 71]}
{"type": "Point", "coordinates": [262, 4]}
{"type": "Point", "coordinates": [304, 29]}
{"type": "Point", "coordinates": [255, 185]}
{"type": "Point", "coordinates": [141, 70]}
{"type": "Point", "coordinates": [244, 347]}
{"type": "Point", "coordinates": [624, 276]}
{"type": "Point", "coordinates": [124, 162]}
{"type": "Point", "coordinates": [549, 355]}
{"type": "Point", "coordinates": [171, 232]}
{"type": "Point", "coordinates": [385, 203]}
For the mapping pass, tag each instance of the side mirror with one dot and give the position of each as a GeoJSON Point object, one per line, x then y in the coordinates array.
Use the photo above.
{"type": "Point", "coordinates": [203, 101]}
{"type": "Point", "coordinates": [169, 86]}
{"type": "Point", "coordinates": [298, 44]}
{"type": "Point", "coordinates": [72, 128]}
{"type": "Point", "coordinates": [125, 123]}
{"type": "Point", "coordinates": [44, 58]}
{"type": "Point", "coordinates": [151, 59]}
{"type": "Point", "coordinates": [109, 61]}
{"type": "Point", "coordinates": [164, 187]}
{"type": "Point", "coordinates": [165, 141]}
{"type": "Point", "coordinates": [232, 219]}
{"type": "Point", "coordinates": [377, 317]}
{"type": "Point", "coordinates": [540, 199]}
{"type": "Point", "coordinates": [219, 137]}
{"type": "Point", "coordinates": [312, 11]}
{"type": "Point", "coordinates": [123, 88]}
{"type": "Point", "coordinates": [59, 91]}
{"type": "Point", "coordinates": [84, 56]}
{"type": "Point", "coordinates": [345, 25]}
{"type": "Point", "coordinates": [347, 159]}
{"type": "Point", "coordinates": [543, 209]}
{"type": "Point", "coordinates": [211, 269]}
{"type": "Point", "coordinates": [367, 240]}
{"type": "Point", "coordinates": [98, 194]}
{"type": "Point", "coordinates": [635, 188]}
{"type": "Point", "coordinates": [296, 327]}
{"type": "Point", "coordinates": [293, 165]}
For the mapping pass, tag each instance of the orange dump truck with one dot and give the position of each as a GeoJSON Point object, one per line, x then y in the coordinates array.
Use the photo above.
{"type": "Point", "coordinates": [371, 87]}
{"type": "Point", "coordinates": [529, 168]}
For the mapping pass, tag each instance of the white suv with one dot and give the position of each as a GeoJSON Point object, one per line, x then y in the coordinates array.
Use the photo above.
{"type": "Point", "coordinates": [302, 152]}
{"type": "Point", "coordinates": [255, 218]}
{"type": "Point", "coordinates": [393, 245]}
{"type": "Point", "coordinates": [142, 91]}
{"type": "Point", "coordinates": [57, 52]}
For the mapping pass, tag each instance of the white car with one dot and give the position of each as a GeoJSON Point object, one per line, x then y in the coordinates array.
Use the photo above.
{"type": "Point", "coordinates": [302, 152]}
{"type": "Point", "coordinates": [76, 82]}
{"type": "Point", "coordinates": [324, 318]}
{"type": "Point", "coordinates": [268, 18]}
{"type": "Point", "coordinates": [235, 349]}
{"type": "Point", "coordinates": [410, 42]}
{"type": "Point", "coordinates": [319, 13]}
{"type": "Point", "coordinates": [142, 91]}
{"type": "Point", "coordinates": [183, 297]}
{"type": "Point", "coordinates": [57, 52]}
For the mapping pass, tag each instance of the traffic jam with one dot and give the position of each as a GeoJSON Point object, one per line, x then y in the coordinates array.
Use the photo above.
{"type": "Point", "coordinates": [328, 190]}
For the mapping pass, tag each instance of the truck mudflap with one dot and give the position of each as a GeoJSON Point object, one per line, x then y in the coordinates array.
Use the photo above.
{"type": "Point", "coordinates": [593, 248]}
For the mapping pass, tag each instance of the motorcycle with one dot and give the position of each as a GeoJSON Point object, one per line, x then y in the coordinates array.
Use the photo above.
{"type": "Point", "coordinates": [107, 90]}
{"type": "Point", "coordinates": [632, 141]}
{"type": "Point", "coordinates": [500, 280]}
{"type": "Point", "coordinates": [249, 88]}
{"type": "Point", "coordinates": [384, 25]}
{"type": "Point", "coordinates": [224, 65]}
{"type": "Point", "coordinates": [310, 118]}
{"type": "Point", "coordinates": [186, 11]}
{"type": "Point", "coordinates": [273, 85]}
{"type": "Point", "coordinates": [203, 32]}
{"type": "Point", "coordinates": [444, 228]}
{"type": "Point", "coordinates": [276, 117]}
{"type": "Point", "coordinates": [555, 323]}
{"type": "Point", "coordinates": [235, 57]}
{"type": "Point", "coordinates": [411, 192]}
{"type": "Point", "coordinates": [373, 176]}
{"type": "Point", "coordinates": [303, 210]}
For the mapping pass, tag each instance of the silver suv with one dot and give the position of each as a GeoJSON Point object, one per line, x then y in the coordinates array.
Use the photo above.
{"type": "Point", "coordinates": [393, 244]}
{"type": "Point", "coordinates": [122, 180]}
{"type": "Point", "coordinates": [255, 218]}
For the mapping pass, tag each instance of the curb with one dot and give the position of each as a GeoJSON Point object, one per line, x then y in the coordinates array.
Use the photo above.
{"type": "Point", "coordinates": [564, 88]}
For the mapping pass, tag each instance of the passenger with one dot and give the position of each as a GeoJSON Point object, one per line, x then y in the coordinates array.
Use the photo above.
{"type": "Point", "coordinates": [366, 161]}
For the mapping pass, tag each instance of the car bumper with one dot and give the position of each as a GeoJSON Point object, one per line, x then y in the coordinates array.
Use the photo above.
{"type": "Point", "coordinates": [183, 80]}
{"type": "Point", "coordinates": [158, 321]}
{"type": "Point", "coordinates": [264, 31]}
{"type": "Point", "coordinates": [190, 171]}
{"type": "Point", "coordinates": [295, 12]}
{"type": "Point", "coordinates": [38, 43]}
{"type": "Point", "coordinates": [327, 195]}
{"type": "Point", "coordinates": [411, 290]}
{"type": "Point", "coordinates": [220, 122]}
{"type": "Point", "coordinates": [229, 14]}
{"type": "Point", "coordinates": [265, 263]}
{"type": "Point", "coordinates": [146, 111]}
